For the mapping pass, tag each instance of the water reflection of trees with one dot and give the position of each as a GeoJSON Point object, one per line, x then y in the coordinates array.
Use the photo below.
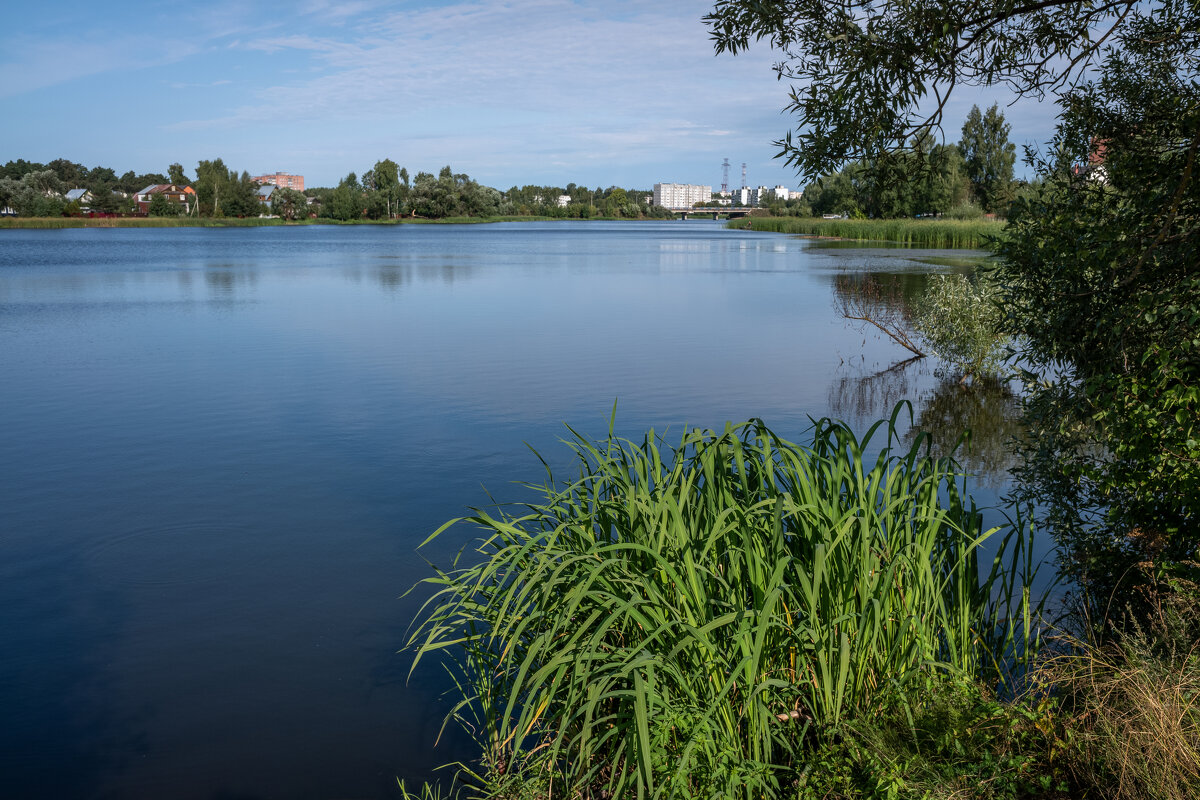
{"type": "Point", "coordinates": [394, 276]}
{"type": "Point", "coordinates": [988, 409]}
{"type": "Point", "coordinates": [868, 397]}
{"type": "Point", "coordinates": [899, 291]}
{"type": "Point", "coordinates": [224, 281]}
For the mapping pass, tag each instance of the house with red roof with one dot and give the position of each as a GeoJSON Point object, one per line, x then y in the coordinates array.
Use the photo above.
{"type": "Point", "coordinates": [185, 196]}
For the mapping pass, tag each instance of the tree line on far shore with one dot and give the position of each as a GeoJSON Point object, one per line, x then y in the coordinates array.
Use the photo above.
{"type": "Point", "coordinates": [928, 178]}
{"type": "Point", "coordinates": [385, 191]}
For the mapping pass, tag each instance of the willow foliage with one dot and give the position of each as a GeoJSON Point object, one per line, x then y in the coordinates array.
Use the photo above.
{"type": "Point", "coordinates": [961, 319]}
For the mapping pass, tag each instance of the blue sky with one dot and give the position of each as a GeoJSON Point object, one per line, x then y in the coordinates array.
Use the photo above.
{"type": "Point", "coordinates": [509, 91]}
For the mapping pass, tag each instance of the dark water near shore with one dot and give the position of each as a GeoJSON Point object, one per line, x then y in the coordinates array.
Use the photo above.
{"type": "Point", "coordinates": [221, 447]}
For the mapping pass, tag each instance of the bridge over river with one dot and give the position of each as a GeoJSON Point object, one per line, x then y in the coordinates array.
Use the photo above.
{"type": "Point", "coordinates": [727, 211]}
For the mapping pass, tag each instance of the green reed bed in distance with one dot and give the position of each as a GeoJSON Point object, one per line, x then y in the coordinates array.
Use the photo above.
{"type": "Point", "coordinates": [673, 621]}
{"type": "Point", "coordinates": [926, 233]}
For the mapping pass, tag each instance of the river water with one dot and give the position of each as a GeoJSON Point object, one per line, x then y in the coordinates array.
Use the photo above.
{"type": "Point", "coordinates": [222, 447]}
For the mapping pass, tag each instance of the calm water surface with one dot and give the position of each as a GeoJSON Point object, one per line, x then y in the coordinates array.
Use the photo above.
{"type": "Point", "coordinates": [221, 448]}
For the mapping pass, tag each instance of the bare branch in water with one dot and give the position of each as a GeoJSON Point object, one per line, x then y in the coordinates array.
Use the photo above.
{"type": "Point", "coordinates": [865, 299]}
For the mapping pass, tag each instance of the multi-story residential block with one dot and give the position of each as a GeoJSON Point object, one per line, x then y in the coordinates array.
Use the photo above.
{"type": "Point", "coordinates": [681, 195]}
{"type": "Point", "coordinates": [283, 180]}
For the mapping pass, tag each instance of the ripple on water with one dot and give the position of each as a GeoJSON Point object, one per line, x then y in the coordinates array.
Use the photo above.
{"type": "Point", "coordinates": [201, 552]}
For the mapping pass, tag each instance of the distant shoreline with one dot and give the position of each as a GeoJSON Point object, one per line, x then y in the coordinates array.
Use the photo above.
{"type": "Point", "coordinates": [51, 223]}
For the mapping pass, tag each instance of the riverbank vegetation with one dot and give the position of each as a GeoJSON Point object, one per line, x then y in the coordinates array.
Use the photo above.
{"type": "Point", "coordinates": [940, 233]}
{"type": "Point", "coordinates": [139, 222]}
{"type": "Point", "coordinates": [739, 616]}
{"type": "Point", "coordinates": [924, 177]}
{"type": "Point", "coordinates": [718, 618]}
{"type": "Point", "coordinates": [1095, 280]}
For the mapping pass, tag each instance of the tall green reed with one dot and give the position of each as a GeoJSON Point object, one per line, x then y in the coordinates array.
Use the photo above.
{"type": "Point", "coordinates": [923, 232]}
{"type": "Point", "coordinates": [673, 620]}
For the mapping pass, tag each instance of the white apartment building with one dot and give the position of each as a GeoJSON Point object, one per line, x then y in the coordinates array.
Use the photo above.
{"type": "Point", "coordinates": [757, 196]}
{"type": "Point", "coordinates": [681, 195]}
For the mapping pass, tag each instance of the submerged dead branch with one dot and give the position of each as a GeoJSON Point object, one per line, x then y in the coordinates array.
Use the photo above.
{"type": "Point", "coordinates": [866, 299]}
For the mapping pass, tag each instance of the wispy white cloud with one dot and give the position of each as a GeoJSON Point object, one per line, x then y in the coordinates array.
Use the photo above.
{"type": "Point", "coordinates": [36, 54]}
{"type": "Point", "coordinates": [613, 72]}
{"type": "Point", "coordinates": [33, 64]}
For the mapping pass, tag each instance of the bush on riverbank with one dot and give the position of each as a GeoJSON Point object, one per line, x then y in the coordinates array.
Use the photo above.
{"type": "Point", "coordinates": [925, 233]}
{"type": "Point", "coordinates": [711, 619]}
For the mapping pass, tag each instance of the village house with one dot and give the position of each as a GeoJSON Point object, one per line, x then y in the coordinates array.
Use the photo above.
{"type": "Point", "coordinates": [81, 196]}
{"type": "Point", "coordinates": [183, 195]}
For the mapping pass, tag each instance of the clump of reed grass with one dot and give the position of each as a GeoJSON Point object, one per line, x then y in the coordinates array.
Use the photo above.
{"type": "Point", "coordinates": [973, 234]}
{"type": "Point", "coordinates": [678, 621]}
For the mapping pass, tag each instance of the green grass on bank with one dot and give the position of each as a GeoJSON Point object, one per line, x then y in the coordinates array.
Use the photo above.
{"type": "Point", "coordinates": [927, 233]}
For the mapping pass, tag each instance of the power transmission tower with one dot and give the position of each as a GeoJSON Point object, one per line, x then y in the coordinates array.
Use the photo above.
{"type": "Point", "coordinates": [725, 177]}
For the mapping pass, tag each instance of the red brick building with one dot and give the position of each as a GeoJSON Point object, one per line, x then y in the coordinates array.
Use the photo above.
{"type": "Point", "coordinates": [283, 180]}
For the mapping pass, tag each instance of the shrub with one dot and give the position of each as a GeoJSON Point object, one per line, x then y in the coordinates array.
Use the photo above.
{"type": "Point", "coordinates": [960, 319]}
{"type": "Point", "coordinates": [965, 211]}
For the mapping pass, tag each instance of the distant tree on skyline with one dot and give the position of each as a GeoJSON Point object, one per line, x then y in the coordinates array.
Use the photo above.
{"type": "Point", "coordinates": [176, 175]}
{"type": "Point", "coordinates": [988, 157]}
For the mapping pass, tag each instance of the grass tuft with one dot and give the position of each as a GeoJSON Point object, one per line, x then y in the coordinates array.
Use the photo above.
{"type": "Point", "coordinates": [679, 621]}
{"type": "Point", "coordinates": [1132, 698]}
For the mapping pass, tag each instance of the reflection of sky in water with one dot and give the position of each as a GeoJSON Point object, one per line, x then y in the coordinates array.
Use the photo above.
{"type": "Point", "coordinates": [224, 446]}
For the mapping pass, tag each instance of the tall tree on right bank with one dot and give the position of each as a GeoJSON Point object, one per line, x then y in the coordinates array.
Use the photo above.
{"type": "Point", "coordinates": [1098, 279]}
{"type": "Point", "coordinates": [988, 158]}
